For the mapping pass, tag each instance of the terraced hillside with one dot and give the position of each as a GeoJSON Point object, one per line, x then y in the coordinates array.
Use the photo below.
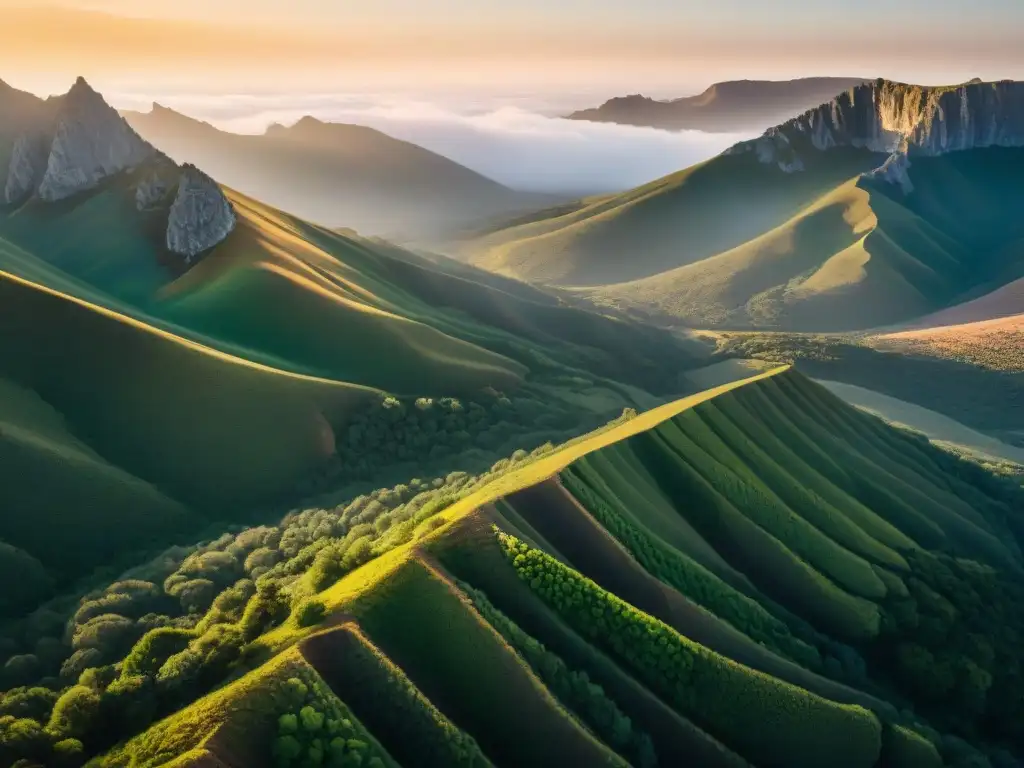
{"type": "Point", "coordinates": [850, 216]}
{"type": "Point", "coordinates": [755, 575]}
{"type": "Point", "coordinates": [146, 393]}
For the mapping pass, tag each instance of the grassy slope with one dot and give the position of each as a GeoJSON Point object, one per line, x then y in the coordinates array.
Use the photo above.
{"type": "Point", "coordinates": [224, 387]}
{"type": "Point", "coordinates": [734, 244]}
{"type": "Point", "coordinates": [210, 427]}
{"type": "Point", "coordinates": [993, 344]}
{"type": "Point", "coordinates": [68, 506]}
{"type": "Point", "coordinates": [936, 426]}
{"type": "Point", "coordinates": [680, 219]}
{"type": "Point", "coordinates": [814, 270]}
{"type": "Point", "coordinates": [409, 609]}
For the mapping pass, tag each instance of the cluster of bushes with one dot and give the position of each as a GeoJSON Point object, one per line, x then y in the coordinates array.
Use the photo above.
{"type": "Point", "coordinates": [760, 717]}
{"type": "Point", "coordinates": [388, 702]}
{"type": "Point", "coordinates": [19, 567]}
{"type": "Point", "coordinates": [693, 580]}
{"type": "Point", "coordinates": [428, 430]}
{"type": "Point", "coordinates": [166, 632]}
{"type": "Point", "coordinates": [953, 645]}
{"type": "Point", "coordinates": [572, 687]}
{"type": "Point", "coordinates": [319, 731]}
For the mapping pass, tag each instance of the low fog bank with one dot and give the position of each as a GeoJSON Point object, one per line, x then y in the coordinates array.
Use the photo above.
{"type": "Point", "coordinates": [518, 142]}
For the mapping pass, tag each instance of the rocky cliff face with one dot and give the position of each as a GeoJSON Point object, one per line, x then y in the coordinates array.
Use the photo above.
{"type": "Point", "coordinates": [27, 166]}
{"type": "Point", "coordinates": [79, 141]}
{"type": "Point", "coordinates": [903, 121]}
{"type": "Point", "coordinates": [200, 218]}
{"type": "Point", "coordinates": [91, 142]}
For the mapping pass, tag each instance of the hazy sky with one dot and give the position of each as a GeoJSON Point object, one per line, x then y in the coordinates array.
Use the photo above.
{"type": "Point", "coordinates": [662, 47]}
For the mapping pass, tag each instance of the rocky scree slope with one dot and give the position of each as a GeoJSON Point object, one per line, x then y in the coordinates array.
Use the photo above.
{"type": "Point", "coordinates": [76, 142]}
{"type": "Point", "coordinates": [901, 121]}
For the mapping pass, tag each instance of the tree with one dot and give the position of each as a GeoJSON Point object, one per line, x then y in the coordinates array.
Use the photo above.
{"type": "Point", "coordinates": [19, 567]}
{"type": "Point", "coordinates": [310, 612]}
{"type": "Point", "coordinates": [35, 703]}
{"type": "Point", "coordinates": [79, 662]}
{"type": "Point", "coordinates": [20, 670]}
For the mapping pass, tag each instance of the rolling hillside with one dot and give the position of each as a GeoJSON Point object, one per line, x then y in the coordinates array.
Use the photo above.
{"type": "Point", "coordinates": [822, 224]}
{"type": "Point", "coordinates": [733, 106]}
{"type": "Point", "coordinates": [338, 175]}
{"type": "Point", "coordinates": [987, 331]}
{"type": "Point", "coordinates": [156, 391]}
{"type": "Point", "coordinates": [755, 575]}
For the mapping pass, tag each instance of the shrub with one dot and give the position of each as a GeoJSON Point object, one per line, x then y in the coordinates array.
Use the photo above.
{"type": "Point", "coordinates": [573, 688]}
{"type": "Point", "coordinates": [905, 748]}
{"type": "Point", "coordinates": [310, 612]}
{"type": "Point", "coordinates": [76, 713]}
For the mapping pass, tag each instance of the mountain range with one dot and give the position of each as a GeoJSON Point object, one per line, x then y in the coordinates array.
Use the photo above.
{"type": "Point", "coordinates": [273, 493]}
{"type": "Point", "coordinates": [339, 175]}
{"type": "Point", "coordinates": [887, 203]}
{"type": "Point", "coordinates": [735, 106]}
{"type": "Point", "coordinates": [172, 350]}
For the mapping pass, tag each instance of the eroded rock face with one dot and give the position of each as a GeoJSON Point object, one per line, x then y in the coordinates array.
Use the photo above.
{"type": "Point", "coordinates": [895, 170]}
{"type": "Point", "coordinates": [901, 121]}
{"type": "Point", "coordinates": [200, 217]}
{"type": "Point", "coordinates": [933, 121]}
{"type": "Point", "coordinates": [27, 166]}
{"type": "Point", "coordinates": [91, 142]}
{"type": "Point", "coordinates": [152, 190]}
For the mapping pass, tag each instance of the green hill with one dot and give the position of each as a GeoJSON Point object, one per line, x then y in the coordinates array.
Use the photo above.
{"type": "Point", "coordinates": [815, 226]}
{"type": "Point", "coordinates": [755, 575]}
{"type": "Point", "coordinates": [152, 395]}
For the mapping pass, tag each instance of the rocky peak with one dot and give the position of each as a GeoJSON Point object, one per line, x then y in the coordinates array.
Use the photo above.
{"type": "Point", "coordinates": [899, 119]}
{"type": "Point", "coordinates": [80, 141]}
{"type": "Point", "coordinates": [91, 142]}
{"type": "Point", "coordinates": [200, 217]}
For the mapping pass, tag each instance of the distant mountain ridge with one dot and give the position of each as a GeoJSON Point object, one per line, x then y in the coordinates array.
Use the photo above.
{"type": "Point", "coordinates": [339, 175]}
{"type": "Point", "coordinates": [735, 105]}
{"type": "Point", "coordinates": [887, 203]}
{"type": "Point", "coordinates": [71, 144]}
{"type": "Point", "coordinates": [902, 121]}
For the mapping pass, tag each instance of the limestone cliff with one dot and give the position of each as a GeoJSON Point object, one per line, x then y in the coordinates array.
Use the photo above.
{"type": "Point", "coordinates": [901, 121]}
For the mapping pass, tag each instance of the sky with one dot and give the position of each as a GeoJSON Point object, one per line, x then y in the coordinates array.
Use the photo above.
{"type": "Point", "coordinates": [660, 47]}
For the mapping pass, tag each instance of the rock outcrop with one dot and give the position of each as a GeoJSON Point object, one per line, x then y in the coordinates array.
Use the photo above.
{"type": "Point", "coordinates": [895, 170]}
{"type": "Point", "coordinates": [91, 142]}
{"type": "Point", "coordinates": [153, 189]}
{"type": "Point", "coordinates": [201, 216]}
{"type": "Point", "coordinates": [900, 121]}
{"type": "Point", "coordinates": [77, 141]}
{"type": "Point", "coordinates": [27, 166]}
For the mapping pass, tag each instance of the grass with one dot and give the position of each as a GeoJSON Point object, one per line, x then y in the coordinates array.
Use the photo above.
{"type": "Point", "coordinates": [430, 629]}
{"type": "Point", "coordinates": [683, 218]}
{"type": "Point", "coordinates": [73, 508]}
{"type": "Point", "coordinates": [734, 244]}
{"type": "Point", "coordinates": [187, 396]}
{"type": "Point", "coordinates": [400, 623]}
